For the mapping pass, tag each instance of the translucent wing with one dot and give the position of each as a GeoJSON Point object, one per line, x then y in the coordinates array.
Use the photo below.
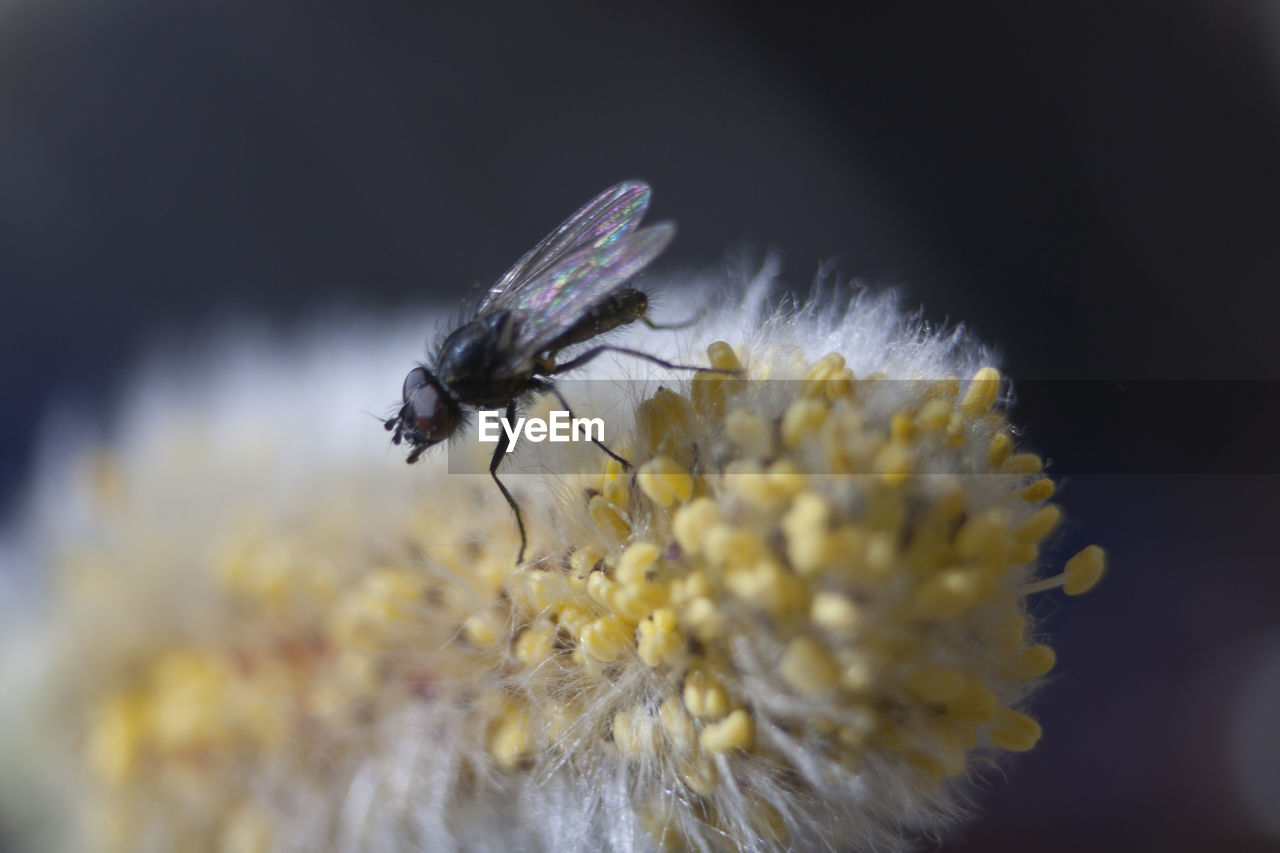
{"type": "Point", "coordinates": [562, 294]}
{"type": "Point", "coordinates": [606, 218]}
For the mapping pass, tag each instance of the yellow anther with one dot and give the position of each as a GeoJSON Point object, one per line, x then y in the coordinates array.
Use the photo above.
{"type": "Point", "coordinates": [703, 696]}
{"type": "Point", "coordinates": [975, 703]}
{"type": "Point", "coordinates": [952, 592]}
{"type": "Point", "coordinates": [636, 561]}
{"type": "Point", "coordinates": [736, 731]}
{"type": "Point", "coordinates": [694, 585]}
{"type": "Point", "coordinates": [536, 588]}
{"type": "Point", "coordinates": [1024, 463]}
{"type": "Point", "coordinates": [881, 553]}
{"type": "Point", "coordinates": [1040, 490]}
{"type": "Point", "coordinates": [934, 415]}
{"type": "Point", "coordinates": [786, 478]}
{"type": "Point", "coordinates": [981, 394]}
{"type": "Point", "coordinates": [926, 762]}
{"type": "Point", "coordinates": [658, 641]}
{"type": "Point", "coordinates": [727, 544]}
{"type": "Point", "coordinates": [902, 427]}
{"type": "Point", "coordinates": [678, 723]}
{"type": "Point", "coordinates": [664, 481]}
{"type": "Point", "coordinates": [1021, 553]}
{"type": "Point", "coordinates": [483, 629]}
{"type": "Point", "coordinates": [1039, 525]}
{"type": "Point", "coordinates": [603, 591]}
{"type": "Point", "coordinates": [1013, 730]}
{"type": "Point", "coordinates": [699, 774]}
{"type": "Point", "coordinates": [1084, 570]}
{"type": "Point", "coordinates": [511, 739]}
{"type": "Point", "coordinates": [894, 461]}
{"type": "Point", "coordinates": [633, 733]}
{"type": "Point", "coordinates": [828, 378]}
{"type": "Point", "coordinates": [1007, 630]}
{"type": "Point", "coordinates": [746, 477]}
{"type": "Point", "coordinates": [936, 683]}
{"type": "Point", "coordinates": [583, 561]}
{"type": "Point", "coordinates": [116, 735]}
{"type": "Point", "coordinates": [768, 586]}
{"type": "Point", "coordinates": [805, 527]}
{"type": "Point", "coordinates": [609, 518]}
{"type": "Point", "coordinates": [1030, 662]}
{"type": "Point", "coordinates": [723, 357]}
{"type": "Point", "coordinates": [636, 601]}
{"type": "Point", "coordinates": [187, 690]}
{"type": "Point", "coordinates": [807, 665]}
{"type": "Point", "coordinates": [663, 424]}
{"type": "Point", "coordinates": [984, 537]}
{"type": "Point", "coordinates": [534, 644]}
{"type": "Point", "coordinates": [705, 619]}
{"type": "Point", "coordinates": [802, 419]}
{"type": "Point", "coordinates": [607, 638]}
{"type": "Point", "coordinates": [955, 430]}
{"type": "Point", "coordinates": [573, 618]}
{"type": "Point", "coordinates": [692, 523]}
{"type": "Point", "coordinates": [858, 675]}
{"type": "Point", "coordinates": [829, 364]}
{"type": "Point", "coordinates": [749, 433]}
{"type": "Point", "coordinates": [999, 449]}
{"type": "Point", "coordinates": [835, 612]}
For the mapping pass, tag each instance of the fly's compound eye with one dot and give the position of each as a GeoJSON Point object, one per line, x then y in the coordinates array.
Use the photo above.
{"type": "Point", "coordinates": [433, 415]}
{"type": "Point", "coordinates": [415, 380]}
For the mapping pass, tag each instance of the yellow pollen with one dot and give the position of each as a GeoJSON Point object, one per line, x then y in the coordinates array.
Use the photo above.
{"type": "Point", "coordinates": [1039, 525]}
{"type": "Point", "coordinates": [704, 696]}
{"type": "Point", "coordinates": [664, 481]}
{"type": "Point", "coordinates": [1084, 570]}
{"type": "Point", "coordinates": [609, 517]}
{"type": "Point", "coordinates": [981, 393]}
{"type": "Point", "coordinates": [692, 523]}
{"type": "Point", "coordinates": [736, 731]}
{"type": "Point", "coordinates": [1040, 490]}
{"type": "Point", "coordinates": [998, 451]}
{"type": "Point", "coordinates": [636, 561]}
{"type": "Point", "coordinates": [808, 665]}
{"type": "Point", "coordinates": [1014, 731]}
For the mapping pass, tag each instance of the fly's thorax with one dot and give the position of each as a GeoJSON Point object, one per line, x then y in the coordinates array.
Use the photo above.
{"type": "Point", "coordinates": [476, 349]}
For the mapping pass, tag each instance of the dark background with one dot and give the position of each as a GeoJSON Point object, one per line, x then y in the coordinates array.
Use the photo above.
{"type": "Point", "coordinates": [1093, 187]}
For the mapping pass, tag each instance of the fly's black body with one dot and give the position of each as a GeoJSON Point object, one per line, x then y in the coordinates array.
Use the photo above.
{"type": "Point", "coordinates": [568, 289]}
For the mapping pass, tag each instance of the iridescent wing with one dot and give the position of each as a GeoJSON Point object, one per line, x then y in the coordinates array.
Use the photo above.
{"type": "Point", "coordinates": [608, 217]}
{"type": "Point", "coordinates": [562, 294]}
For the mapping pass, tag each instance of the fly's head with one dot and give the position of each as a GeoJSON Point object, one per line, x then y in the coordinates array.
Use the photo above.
{"type": "Point", "coordinates": [428, 415]}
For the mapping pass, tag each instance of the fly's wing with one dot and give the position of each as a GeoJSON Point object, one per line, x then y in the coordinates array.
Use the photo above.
{"type": "Point", "coordinates": [554, 301]}
{"type": "Point", "coordinates": [608, 217]}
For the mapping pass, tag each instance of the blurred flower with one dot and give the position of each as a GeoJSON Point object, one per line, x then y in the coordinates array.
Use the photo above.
{"type": "Point", "coordinates": [798, 621]}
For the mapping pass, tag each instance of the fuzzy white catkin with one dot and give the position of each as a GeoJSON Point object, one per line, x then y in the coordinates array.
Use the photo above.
{"type": "Point", "coordinates": [281, 438]}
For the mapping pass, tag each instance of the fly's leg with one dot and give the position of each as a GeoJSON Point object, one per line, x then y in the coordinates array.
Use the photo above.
{"type": "Point", "coordinates": [702, 312]}
{"type": "Point", "coordinates": [603, 348]}
{"type": "Point", "coordinates": [498, 452]}
{"type": "Point", "coordinates": [549, 386]}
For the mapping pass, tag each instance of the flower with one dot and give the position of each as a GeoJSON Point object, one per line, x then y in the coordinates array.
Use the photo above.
{"type": "Point", "coordinates": [798, 620]}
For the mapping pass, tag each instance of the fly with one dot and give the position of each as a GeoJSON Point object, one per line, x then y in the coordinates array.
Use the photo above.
{"type": "Point", "coordinates": [570, 288]}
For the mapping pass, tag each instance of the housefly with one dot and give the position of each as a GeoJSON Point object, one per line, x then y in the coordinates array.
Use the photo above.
{"type": "Point", "coordinates": [570, 288]}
